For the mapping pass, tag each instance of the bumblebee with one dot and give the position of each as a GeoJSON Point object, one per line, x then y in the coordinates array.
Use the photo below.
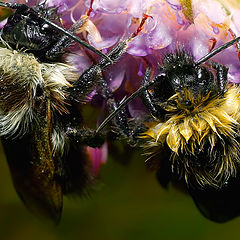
{"type": "Point", "coordinates": [197, 119]}
{"type": "Point", "coordinates": [192, 131]}
{"type": "Point", "coordinates": [41, 98]}
{"type": "Point", "coordinates": [41, 126]}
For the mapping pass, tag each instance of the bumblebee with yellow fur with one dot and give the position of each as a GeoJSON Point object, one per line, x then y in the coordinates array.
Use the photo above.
{"type": "Point", "coordinates": [192, 130]}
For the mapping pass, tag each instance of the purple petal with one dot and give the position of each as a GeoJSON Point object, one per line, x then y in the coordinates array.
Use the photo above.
{"type": "Point", "coordinates": [160, 36]}
{"type": "Point", "coordinates": [212, 9]}
{"type": "Point", "coordinates": [138, 8]}
{"type": "Point", "coordinates": [80, 61]}
{"type": "Point", "coordinates": [235, 26]}
{"type": "Point", "coordinates": [138, 47]}
{"type": "Point", "coordinates": [110, 6]}
{"type": "Point", "coordinates": [110, 33]}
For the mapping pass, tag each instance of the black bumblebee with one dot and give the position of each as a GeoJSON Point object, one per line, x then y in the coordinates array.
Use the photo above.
{"type": "Point", "coordinates": [41, 98]}
{"type": "Point", "coordinates": [193, 132]}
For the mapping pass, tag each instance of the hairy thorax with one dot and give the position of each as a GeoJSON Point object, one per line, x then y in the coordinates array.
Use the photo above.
{"type": "Point", "coordinates": [202, 133]}
{"type": "Point", "coordinates": [26, 87]}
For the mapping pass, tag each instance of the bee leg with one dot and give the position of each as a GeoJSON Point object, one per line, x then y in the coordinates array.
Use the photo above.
{"type": "Point", "coordinates": [120, 121]}
{"type": "Point", "coordinates": [90, 78]}
{"type": "Point", "coordinates": [59, 48]}
{"type": "Point", "coordinates": [147, 96]}
{"type": "Point", "coordinates": [13, 5]}
{"type": "Point", "coordinates": [114, 54]}
{"type": "Point", "coordinates": [94, 76]}
{"type": "Point", "coordinates": [221, 73]}
{"type": "Point", "coordinates": [121, 127]}
{"type": "Point", "coordinates": [85, 136]}
{"type": "Point", "coordinates": [149, 100]}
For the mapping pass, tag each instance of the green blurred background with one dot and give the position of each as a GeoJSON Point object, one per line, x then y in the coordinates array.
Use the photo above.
{"type": "Point", "coordinates": [128, 204]}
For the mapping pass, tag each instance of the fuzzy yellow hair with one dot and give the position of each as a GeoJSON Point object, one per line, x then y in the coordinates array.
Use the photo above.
{"type": "Point", "coordinates": [203, 137]}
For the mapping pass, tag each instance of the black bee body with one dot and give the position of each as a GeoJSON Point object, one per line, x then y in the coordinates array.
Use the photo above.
{"type": "Point", "coordinates": [218, 204]}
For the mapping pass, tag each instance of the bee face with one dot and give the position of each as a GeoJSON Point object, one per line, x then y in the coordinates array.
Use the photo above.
{"type": "Point", "coordinates": [184, 76]}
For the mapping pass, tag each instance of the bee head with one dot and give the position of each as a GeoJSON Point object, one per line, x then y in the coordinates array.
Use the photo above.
{"type": "Point", "coordinates": [187, 78]}
{"type": "Point", "coordinates": [26, 29]}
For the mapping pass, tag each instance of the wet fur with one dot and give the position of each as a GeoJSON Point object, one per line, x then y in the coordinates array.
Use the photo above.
{"type": "Point", "coordinates": [204, 139]}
